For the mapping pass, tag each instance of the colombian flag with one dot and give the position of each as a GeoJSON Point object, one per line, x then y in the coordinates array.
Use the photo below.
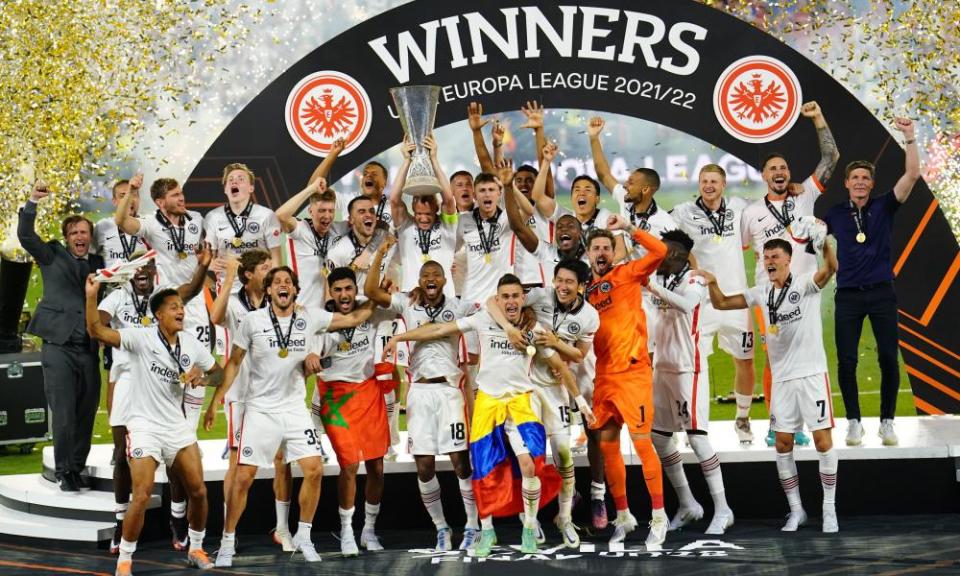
{"type": "Point", "coordinates": [496, 474]}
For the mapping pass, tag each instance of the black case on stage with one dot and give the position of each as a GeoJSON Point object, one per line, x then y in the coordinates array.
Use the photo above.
{"type": "Point", "coordinates": [24, 415]}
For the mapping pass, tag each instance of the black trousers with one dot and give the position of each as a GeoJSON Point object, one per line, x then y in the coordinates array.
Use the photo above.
{"type": "Point", "coordinates": [853, 305]}
{"type": "Point", "coordinates": [71, 381]}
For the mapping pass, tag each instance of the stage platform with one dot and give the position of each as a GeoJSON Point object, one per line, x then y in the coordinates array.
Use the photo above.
{"type": "Point", "coordinates": [920, 476]}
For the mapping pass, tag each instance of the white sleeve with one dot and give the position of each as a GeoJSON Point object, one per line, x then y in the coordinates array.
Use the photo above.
{"type": "Point", "coordinates": [321, 320]}
{"type": "Point", "coordinates": [687, 301]}
{"type": "Point", "coordinates": [271, 230]}
{"type": "Point", "coordinates": [149, 228]}
{"type": "Point", "coordinates": [754, 296]}
{"type": "Point", "coordinates": [807, 285]}
{"type": "Point", "coordinates": [589, 328]}
{"type": "Point", "coordinates": [812, 186]}
{"type": "Point", "coordinates": [535, 296]}
{"type": "Point", "coordinates": [110, 303]}
{"type": "Point", "coordinates": [470, 323]}
{"type": "Point", "coordinates": [210, 231]}
{"type": "Point", "coordinates": [620, 195]}
{"type": "Point", "coordinates": [204, 359]}
{"type": "Point", "coordinates": [132, 339]}
{"type": "Point", "coordinates": [398, 302]}
{"type": "Point", "coordinates": [242, 338]}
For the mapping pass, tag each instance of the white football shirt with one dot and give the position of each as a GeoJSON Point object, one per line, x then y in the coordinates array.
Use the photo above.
{"type": "Point", "coordinates": [307, 255]}
{"type": "Point", "coordinates": [259, 229]}
{"type": "Point", "coordinates": [677, 331]}
{"type": "Point", "coordinates": [440, 242]}
{"type": "Point", "coordinates": [110, 241]}
{"type": "Point", "coordinates": [156, 394]}
{"type": "Point", "coordinates": [347, 249]}
{"type": "Point", "coordinates": [348, 355]}
{"type": "Point", "coordinates": [122, 308]}
{"type": "Point", "coordinates": [796, 350]}
{"type": "Point", "coordinates": [503, 370]}
{"type": "Point", "coordinates": [759, 225]}
{"type": "Point", "coordinates": [277, 384]}
{"type": "Point", "coordinates": [526, 266]}
{"type": "Point", "coordinates": [656, 222]}
{"type": "Point", "coordinates": [430, 358]}
{"type": "Point", "coordinates": [237, 311]}
{"type": "Point", "coordinates": [481, 276]}
{"type": "Point", "coordinates": [724, 258]}
{"type": "Point", "coordinates": [578, 324]}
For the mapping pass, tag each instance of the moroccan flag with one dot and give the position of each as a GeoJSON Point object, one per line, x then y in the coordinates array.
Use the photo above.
{"type": "Point", "coordinates": [496, 474]}
{"type": "Point", "coordinates": [354, 416]}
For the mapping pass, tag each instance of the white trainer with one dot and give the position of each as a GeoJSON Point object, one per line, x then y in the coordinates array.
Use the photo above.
{"type": "Point", "coordinates": [623, 526]}
{"type": "Point", "coordinates": [686, 515]}
{"type": "Point", "coordinates": [568, 530]}
{"type": "Point", "coordinates": [887, 434]}
{"type": "Point", "coordinates": [854, 433]}
{"type": "Point", "coordinates": [302, 544]}
{"type": "Point", "coordinates": [224, 557]}
{"type": "Point", "coordinates": [830, 524]}
{"type": "Point", "coordinates": [443, 540]}
{"type": "Point", "coordinates": [722, 520]}
{"type": "Point", "coordinates": [795, 519]}
{"type": "Point", "coordinates": [348, 544]}
{"type": "Point", "coordinates": [283, 539]}
{"type": "Point", "coordinates": [370, 541]}
{"type": "Point", "coordinates": [541, 537]}
{"type": "Point", "coordinates": [744, 434]}
{"type": "Point", "coordinates": [659, 524]}
{"type": "Point", "coordinates": [391, 455]}
{"type": "Point", "coordinates": [471, 536]}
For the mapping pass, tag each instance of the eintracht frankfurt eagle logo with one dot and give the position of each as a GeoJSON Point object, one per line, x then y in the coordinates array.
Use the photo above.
{"type": "Point", "coordinates": [325, 106]}
{"type": "Point", "coordinates": [757, 99]}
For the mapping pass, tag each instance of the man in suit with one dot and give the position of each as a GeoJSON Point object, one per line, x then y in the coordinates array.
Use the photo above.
{"type": "Point", "coordinates": [71, 373]}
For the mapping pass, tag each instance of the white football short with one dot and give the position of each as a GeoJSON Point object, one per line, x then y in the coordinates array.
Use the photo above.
{"type": "Point", "coordinates": [800, 401]}
{"type": "Point", "coordinates": [262, 434]}
{"type": "Point", "coordinates": [234, 412]}
{"type": "Point", "coordinates": [146, 440]}
{"type": "Point", "coordinates": [436, 419]}
{"type": "Point", "coordinates": [681, 401]}
{"type": "Point", "coordinates": [121, 399]}
{"type": "Point", "coordinates": [193, 398]}
{"type": "Point", "coordinates": [554, 409]}
{"type": "Point", "coordinates": [733, 328]}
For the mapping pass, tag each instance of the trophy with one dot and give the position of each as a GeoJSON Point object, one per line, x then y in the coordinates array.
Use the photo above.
{"type": "Point", "coordinates": [417, 108]}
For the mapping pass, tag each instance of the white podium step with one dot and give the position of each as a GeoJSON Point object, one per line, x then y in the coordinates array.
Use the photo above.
{"type": "Point", "coordinates": [26, 525]}
{"type": "Point", "coordinates": [31, 493]}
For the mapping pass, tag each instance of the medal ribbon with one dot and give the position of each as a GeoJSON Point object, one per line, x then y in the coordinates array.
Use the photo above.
{"type": "Point", "coordinates": [246, 301]}
{"type": "Point", "coordinates": [238, 228]}
{"type": "Point", "coordinates": [434, 311]}
{"type": "Point", "coordinates": [177, 233]}
{"type": "Point", "coordinates": [859, 218]}
{"type": "Point", "coordinates": [423, 238]}
{"type": "Point", "coordinates": [677, 278]}
{"type": "Point", "coordinates": [717, 223]}
{"type": "Point", "coordinates": [638, 219]}
{"type": "Point", "coordinates": [322, 243]}
{"type": "Point", "coordinates": [773, 306]}
{"type": "Point", "coordinates": [782, 216]}
{"type": "Point", "coordinates": [173, 352]}
{"type": "Point", "coordinates": [128, 246]}
{"type": "Point", "coordinates": [486, 241]}
{"type": "Point", "coordinates": [138, 304]}
{"type": "Point", "coordinates": [283, 341]}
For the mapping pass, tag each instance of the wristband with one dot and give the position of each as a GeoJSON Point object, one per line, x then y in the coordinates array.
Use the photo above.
{"type": "Point", "coordinates": [910, 141]}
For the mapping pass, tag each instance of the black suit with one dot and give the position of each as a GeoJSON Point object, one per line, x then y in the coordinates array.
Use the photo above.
{"type": "Point", "coordinates": [71, 375]}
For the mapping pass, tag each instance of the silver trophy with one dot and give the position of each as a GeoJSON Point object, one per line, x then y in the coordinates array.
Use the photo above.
{"type": "Point", "coordinates": [417, 108]}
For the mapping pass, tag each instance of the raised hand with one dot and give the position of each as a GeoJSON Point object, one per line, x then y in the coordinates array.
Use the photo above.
{"type": "Point", "coordinates": [475, 116]}
{"type": "Point", "coordinates": [616, 222]}
{"type": "Point", "coordinates": [431, 144]}
{"type": "Point", "coordinates": [194, 377]}
{"type": "Point", "coordinates": [319, 185]}
{"type": "Point", "coordinates": [92, 286]}
{"type": "Point", "coordinates": [210, 416]}
{"type": "Point", "coordinates": [407, 148]}
{"type": "Point", "coordinates": [204, 254]}
{"type": "Point", "coordinates": [811, 109]}
{"type": "Point", "coordinates": [505, 171]}
{"type": "Point", "coordinates": [708, 278]}
{"type": "Point", "coordinates": [497, 133]}
{"type": "Point", "coordinates": [595, 126]}
{"type": "Point", "coordinates": [137, 181]}
{"type": "Point", "coordinates": [311, 364]}
{"type": "Point", "coordinates": [904, 125]}
{"type": "Point", "coordinates": [337, 146]}
{"type": "Point", "coordinates": [389, 350]}
{"type": "Point", "coordinates": [40, 191]}
{"type": "Point", "coordinates": [550, 152]}
{"type": "Point", "coordinates": [534, 113]}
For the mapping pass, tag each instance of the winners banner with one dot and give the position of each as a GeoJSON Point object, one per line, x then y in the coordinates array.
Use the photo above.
{"type": "Point", "coordinates": [676, 63]}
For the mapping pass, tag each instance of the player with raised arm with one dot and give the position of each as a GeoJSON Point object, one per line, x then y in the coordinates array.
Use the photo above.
{"type": "Point", "coordinates": [276, 340]}
{"type": "Point", "coordinates": [430, 233]}
{"type": "Point", "coordinates": [163, 360]}
{"type": "Point", "coordinates": [623, 389]}
{"type": "Point", "coordinates": [309, 240]}
{"type": "Point", "coordinates": [113, 244]}
{"type": "Point", "coordinates": [175, 233]}
{"type": "Point", "coordinates": [350, 402]}
{"type": "Point", "coordinates": [129, 307]}
{"type": "Point", "coordinates": [356, 248]}
{"type": "Point", "coordinates": [507, 429]}
{"type": "Point", "coordinates": [373, 181]}
{"type": "Point", "coordinates": [680, 383]}
{"type": "Point", "coordinates": [436, 407]}
{"type": "Point", "coordinates": [801, 385]}
{"type": "Point", "coordinates": [773, 216]}
{"type": "Point", "coordinates": [713, 221]}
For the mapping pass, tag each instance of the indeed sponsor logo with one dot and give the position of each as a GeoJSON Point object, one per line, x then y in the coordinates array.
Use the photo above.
{"type": "Point", "coordinates": [293, 344]}
{"type": "Point", "coordinates": [164, 372]}
{"type": "Point", "coordinates": [794, 314]}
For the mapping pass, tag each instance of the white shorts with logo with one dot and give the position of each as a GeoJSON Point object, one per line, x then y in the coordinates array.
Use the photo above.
{"type": "Point", "coordinates": [681, 401]}
{"type": "Point", "coordinates": [554, 409]}
{"type": "Point", "coordinates": [733, 329]}
{"type": "Point", "coordinates": [436, 419]}
{"type": "Point", "coordinates": [800, 401]}
{"type": "Point", "coordinates": [262, 434]}
{"type": "Point", "coordinates": [145, 440]}
{"type": "Point", "coordinates": [234, 412]}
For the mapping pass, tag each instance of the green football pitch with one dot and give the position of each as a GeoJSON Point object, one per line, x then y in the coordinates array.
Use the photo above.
{"type": "Point", "coordinates": [721, 385]}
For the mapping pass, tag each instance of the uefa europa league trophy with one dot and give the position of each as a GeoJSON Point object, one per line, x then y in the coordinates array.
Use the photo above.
{"type": "Point", "coordinates": [417, 108]}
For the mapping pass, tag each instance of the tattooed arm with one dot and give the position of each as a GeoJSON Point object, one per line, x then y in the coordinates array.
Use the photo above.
{"type": "Point", "coordinates": [829, 154]}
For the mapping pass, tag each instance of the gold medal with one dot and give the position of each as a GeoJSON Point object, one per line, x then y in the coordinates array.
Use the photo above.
{"type": "Point", "coordinates": [344, 346]}
{"type": "Point", "coordinates": [183, 377]}
{"type": "Point", "coordinates": [182, 255]}
{"type": "Point", "coordinates": [325, 271]}
{"type": "Point", "coordinates": [145, 321]}
{"type": "Point", "coordinates": [531, 350]}
{"type": "Point", "coordinates": [282, 353]}
{"type": "Point", "coordinates": [425, 257]}
{"type": "Point", "coordinates": [774, 329]}
{"type": "Point", "coordinates": [717, 238]}
{"type": "Point", "coordinates": [861, 237]}
{"type": "Point", "coordinates": [236, 242]}
{"type": "Point", "coordinates": [487, 258]}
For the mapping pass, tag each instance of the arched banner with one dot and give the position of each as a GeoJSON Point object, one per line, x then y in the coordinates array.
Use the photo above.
{"type": "Point", "coordinates": [679, 64]}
